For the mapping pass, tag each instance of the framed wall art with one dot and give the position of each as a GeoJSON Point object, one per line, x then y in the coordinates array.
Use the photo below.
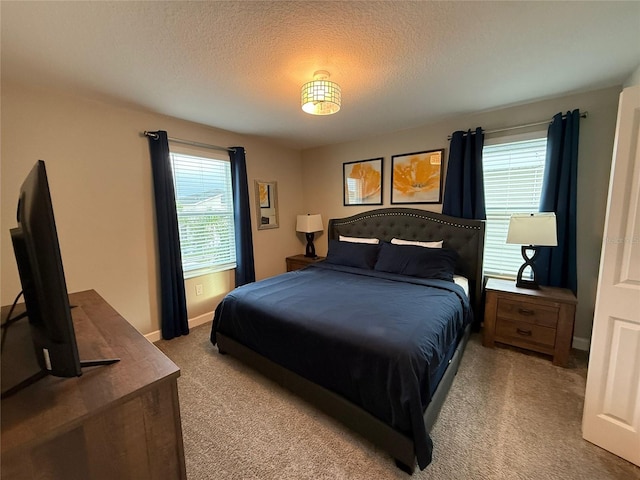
{"type": "Point", "coordinates": [362, 182]}
{"type": "Point", "coordinates": [265, 198]}
{"type": "Point", "coordinates": [417, 177]}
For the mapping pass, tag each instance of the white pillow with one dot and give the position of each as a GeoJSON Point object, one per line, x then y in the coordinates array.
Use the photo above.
{"type": "Point", "coordinates": [398, 241]}
{"type": "Point", "coordinates": [373, 241]}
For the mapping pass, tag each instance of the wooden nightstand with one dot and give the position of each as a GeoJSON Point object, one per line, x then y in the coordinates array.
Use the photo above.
{"type": "Point", "coordinates": [296, 262]}
{"type": "Point", "coordinates": [539, 320]}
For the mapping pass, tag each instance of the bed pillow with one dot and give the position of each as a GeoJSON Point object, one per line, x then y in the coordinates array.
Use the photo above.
{"type": "Point", "coordinates": [398, 241]}
{"type": "Point", "coordinates": [361, 255]}
{"type": "Point", "coordinates": [437, 263]}
{"type": "Point", "coordinates": [373, 241]}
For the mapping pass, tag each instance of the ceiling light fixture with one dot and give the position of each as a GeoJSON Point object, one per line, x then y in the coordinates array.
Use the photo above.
{"type": "Point", "coordinates": [320, 96]}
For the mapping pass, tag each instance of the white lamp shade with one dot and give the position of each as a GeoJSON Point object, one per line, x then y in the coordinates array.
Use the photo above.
{"type": "Point", "coordinates": [533, 229]}
{"type": "Point", "coordinates": [309, 223]}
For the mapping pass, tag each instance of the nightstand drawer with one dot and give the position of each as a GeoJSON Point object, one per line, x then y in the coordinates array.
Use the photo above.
{"type": "Point", "coordinates": [509, 331]}
{"type": "Point", "coordinates": [532, 313]}
{"type": "Point", "coordinates": [295, 265]}
{"type": "Point", "coordinates": [296, 262]}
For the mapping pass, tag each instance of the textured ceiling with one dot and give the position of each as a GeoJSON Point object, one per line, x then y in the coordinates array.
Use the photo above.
{"type": "Point", "coordinates": [239, 65]}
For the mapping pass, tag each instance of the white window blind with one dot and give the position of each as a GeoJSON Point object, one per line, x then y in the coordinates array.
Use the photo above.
{"type": "Point", "coordinates": [205, 214]}
{"type": "Point", "coordinates": [513, 175]}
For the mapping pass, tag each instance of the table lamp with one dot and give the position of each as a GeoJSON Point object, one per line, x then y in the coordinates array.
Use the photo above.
{"type": "Point", "coordinates": [308, 224]}
{"type": "Point", "coordinates": [531, 230]}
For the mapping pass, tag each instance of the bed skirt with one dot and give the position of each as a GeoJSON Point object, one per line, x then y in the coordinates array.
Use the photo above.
{"type": "Point", "coordinates": [397, 444]}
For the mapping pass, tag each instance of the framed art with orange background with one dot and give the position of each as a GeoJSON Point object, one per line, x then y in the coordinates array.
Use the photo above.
{"type": "Point", "coordinates": [362, 182]}
{"type": "Point", "coordinates": [417, 177]}
{"type": "Point", "coordinates": [265, 198]}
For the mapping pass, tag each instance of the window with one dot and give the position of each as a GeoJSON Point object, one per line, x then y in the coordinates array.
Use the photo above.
{"type": "Point", "coordinates": [513, 175]}
{"type": "Point", "coordinates": [205, 214]}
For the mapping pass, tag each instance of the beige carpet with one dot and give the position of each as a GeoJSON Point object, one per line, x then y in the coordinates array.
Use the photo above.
{"type": "Point", "coordinates": [509, 415]}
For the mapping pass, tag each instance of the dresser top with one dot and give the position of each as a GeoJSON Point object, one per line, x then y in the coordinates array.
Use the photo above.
{"type": "Point", "coordinates": [54, 405]}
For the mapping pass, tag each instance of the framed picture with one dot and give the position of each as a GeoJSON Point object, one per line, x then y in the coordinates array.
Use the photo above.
{"type": "Point", "coordinates": [362, 182]}
{"type": "Point", "coordinates": [265, 198]}
{"type": "Point", "coordinates": [417, 177]}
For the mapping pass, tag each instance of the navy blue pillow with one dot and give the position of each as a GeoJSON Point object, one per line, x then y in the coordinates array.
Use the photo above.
{"type": "Point", "coordinates": [361, 255]}
{"type": "Point", "coordinates": [438, 263]}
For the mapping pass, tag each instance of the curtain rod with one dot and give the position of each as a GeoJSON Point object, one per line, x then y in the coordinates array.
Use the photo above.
{"type": "Point", "coordinates": [527, 125]}
{"type": "Point", "coordinates": [189, 142]}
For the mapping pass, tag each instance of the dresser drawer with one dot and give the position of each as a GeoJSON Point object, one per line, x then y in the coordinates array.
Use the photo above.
{"type": "Point", "coordinates": [532, 313]}
{"type": "Point", "coordinates": [514, 332]}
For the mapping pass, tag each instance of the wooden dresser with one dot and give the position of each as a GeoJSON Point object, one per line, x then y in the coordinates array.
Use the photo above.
{"type": "Point", "coordinates": [120, 421]}
{"type": "Point", "coordinates": [296, 262]}
{"type": "Point", "coordinates": [539, 320]}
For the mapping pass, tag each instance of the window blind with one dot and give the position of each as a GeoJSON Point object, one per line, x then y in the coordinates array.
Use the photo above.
{"type": "Point", "coordinates": [204, 203]}
{"type": "Point", "coordinates": [513, 175]}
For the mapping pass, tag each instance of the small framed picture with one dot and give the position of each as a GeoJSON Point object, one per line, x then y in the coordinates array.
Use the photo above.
{"type": "Point", "coordinates": [417, 177]}
{"type": "Point", "coordinates": [362, 182]}
{"type": "Point", "coordinates": [265, 197]}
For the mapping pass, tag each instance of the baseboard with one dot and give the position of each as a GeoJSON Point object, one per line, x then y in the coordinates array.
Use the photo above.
{"type": "Point", "coordinates": [193, 322]}
{"type": "Point", "coordinates": [580, 343]}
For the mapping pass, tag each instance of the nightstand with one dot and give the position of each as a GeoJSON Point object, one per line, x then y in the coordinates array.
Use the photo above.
{"type": "Point", "coordinates": [297, 262]}
{"type": "Point", "coordinates": [539, 320]}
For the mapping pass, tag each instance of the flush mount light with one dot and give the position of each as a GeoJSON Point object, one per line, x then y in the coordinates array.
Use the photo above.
{"type": "Point", "coordinates": [320, 96]}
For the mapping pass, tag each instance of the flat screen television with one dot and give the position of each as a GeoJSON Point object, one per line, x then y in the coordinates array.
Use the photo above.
{"type": "Point", "coordinates": [37, 253]}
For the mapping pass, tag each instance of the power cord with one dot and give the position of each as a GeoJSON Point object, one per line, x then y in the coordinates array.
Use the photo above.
{"type": "Point", "coordinates": [10, 321]}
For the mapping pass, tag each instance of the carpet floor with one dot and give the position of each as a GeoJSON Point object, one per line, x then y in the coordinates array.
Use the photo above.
{"type": "Point", "coordinates": [509, 415]}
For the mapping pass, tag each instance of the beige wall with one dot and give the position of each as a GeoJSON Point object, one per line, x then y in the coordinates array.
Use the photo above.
{"type": "Point", "coordinates": [101, 186]}
{"type": "Point", "coordinates": [100, 178]}
{"type": "Point", "coordinates": [322, 172]}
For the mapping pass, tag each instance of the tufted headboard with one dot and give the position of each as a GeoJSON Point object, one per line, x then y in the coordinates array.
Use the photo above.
{"type": "Point", "coordinates": [460, 234]}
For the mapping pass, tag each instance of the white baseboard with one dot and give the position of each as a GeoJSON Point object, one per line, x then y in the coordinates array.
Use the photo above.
{"type": "Point", "coordinates": [580, 343]}
{"type": "Point", "coordinates": [193, 322]}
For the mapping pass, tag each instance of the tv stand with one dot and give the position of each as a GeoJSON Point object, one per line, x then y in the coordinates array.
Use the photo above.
{"type": "Point", "coordinates": [97, 363]}
{"type": "Point", "coordinates": [116, 422]}
{"type": "Point", "coordinates": [23, 344]}
{"type": "Point", "coordinates": [39, 375]}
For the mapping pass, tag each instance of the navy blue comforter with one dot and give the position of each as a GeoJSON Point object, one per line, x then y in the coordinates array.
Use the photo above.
{"type": "Point", "coordinates": [375, 338]}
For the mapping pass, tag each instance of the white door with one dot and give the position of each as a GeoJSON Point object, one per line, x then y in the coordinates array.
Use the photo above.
{"type": "Point", "coordinates": [612, 400]}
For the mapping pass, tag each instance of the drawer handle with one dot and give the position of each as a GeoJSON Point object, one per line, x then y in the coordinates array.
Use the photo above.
{"type": "Point", "coordinates": [523, 332]}
{"type": "Point", "coordinates": [524, 311]}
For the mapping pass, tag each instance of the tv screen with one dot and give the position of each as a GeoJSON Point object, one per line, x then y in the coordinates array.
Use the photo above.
{"type": "Point", "coordinates": [51, 331]}
{"type": "Point", "coordinates": [37, 251]}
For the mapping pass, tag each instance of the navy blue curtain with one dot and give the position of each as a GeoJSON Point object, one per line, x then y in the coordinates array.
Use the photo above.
{"type": "Point", "coordinates": [245, 269]}
{"type": "Point", "coordinates": [173, 304]}
{"type": "Point", "coordinates": [464, 187]}
{"type": "Point", "coordinates": [557, 266]}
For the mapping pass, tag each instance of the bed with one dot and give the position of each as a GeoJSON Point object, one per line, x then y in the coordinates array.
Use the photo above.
{"type": "Point", "coordinates": [373, 335]}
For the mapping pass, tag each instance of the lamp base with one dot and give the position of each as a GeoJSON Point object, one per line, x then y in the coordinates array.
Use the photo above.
{"type": "Point", "coordinates": [528, 262]}
{"type": "Point", "coordinates": [530, 284]}
{"type": "Point", "coordinates": [311, 249]}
